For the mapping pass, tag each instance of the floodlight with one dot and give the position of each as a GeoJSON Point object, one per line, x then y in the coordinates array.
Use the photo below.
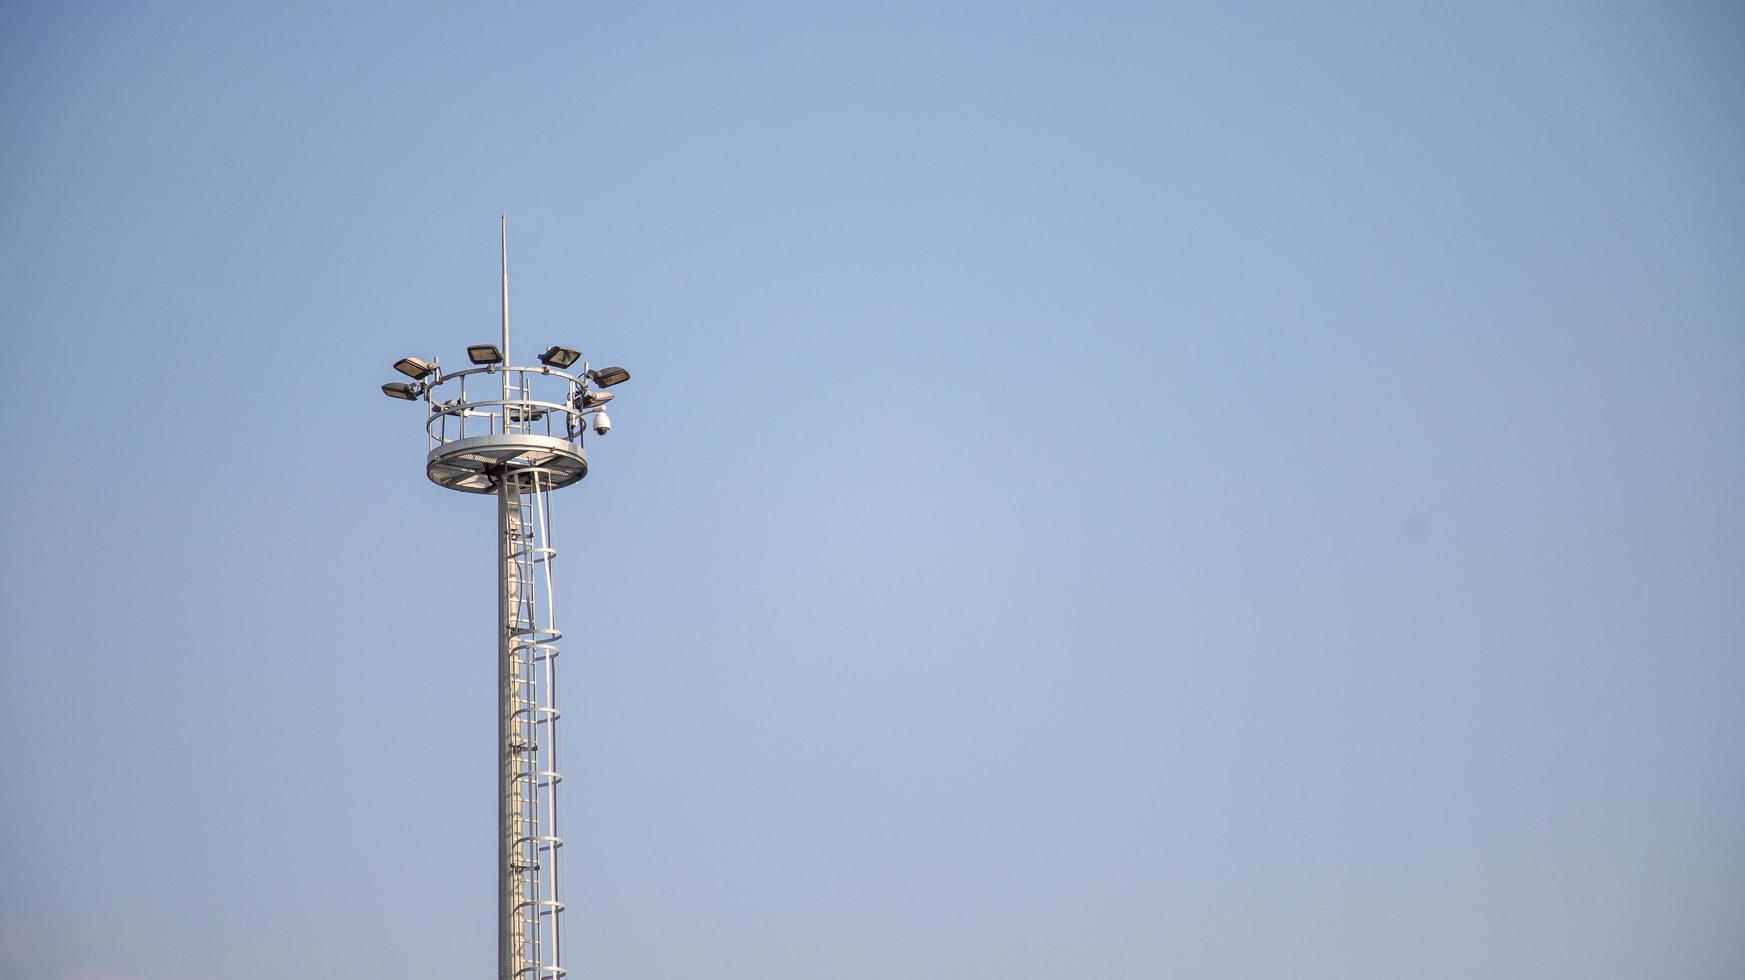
{"type": "Point", "coordinates": [609, 376]}
{"type": "Point", "coordinates": [484, 354]}
{"type": "Point", "coordinates": [402, 390]}
{"type": "Point", "coordinates": [415, 368]}
{"type": "Point", "coordinates": [559, 357]}
{"type": "Point", "coordinates": [594, 399]}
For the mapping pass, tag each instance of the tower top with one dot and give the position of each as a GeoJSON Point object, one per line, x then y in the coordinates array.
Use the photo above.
{"type": "Point", "coordinates": [527, 417]}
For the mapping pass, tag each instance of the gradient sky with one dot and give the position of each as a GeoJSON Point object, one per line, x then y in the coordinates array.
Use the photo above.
{"type": "Point", "coordinates": [1109, 490]}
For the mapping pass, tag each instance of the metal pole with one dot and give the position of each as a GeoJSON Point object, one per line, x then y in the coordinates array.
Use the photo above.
{"type": "Point", "coordinates": [504, 226]}
{"type": "Point", "coordinates": [521, 469]}
{"type": "Point", "coordinates": [506, 603]}
{"type": "Point", "coordinates": [507, 498]}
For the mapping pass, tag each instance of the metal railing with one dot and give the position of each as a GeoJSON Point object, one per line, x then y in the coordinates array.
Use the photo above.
{"type": "Point", "coordinates": [541, 401]}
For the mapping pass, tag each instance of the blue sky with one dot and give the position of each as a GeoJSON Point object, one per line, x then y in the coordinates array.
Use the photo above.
{"type": "Point", "coordinates": [1108, 490]}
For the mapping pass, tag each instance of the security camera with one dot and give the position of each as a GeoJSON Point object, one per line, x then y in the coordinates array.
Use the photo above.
{"type": "Point", "coordinates": [602, 424]}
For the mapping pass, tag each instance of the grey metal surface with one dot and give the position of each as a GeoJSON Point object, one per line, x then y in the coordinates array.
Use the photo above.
{"type": "Point", "coordinates": [477, 464]}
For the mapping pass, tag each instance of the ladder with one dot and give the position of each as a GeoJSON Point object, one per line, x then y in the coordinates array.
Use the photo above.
{"type": "Point", "coordinates": [530, 731]}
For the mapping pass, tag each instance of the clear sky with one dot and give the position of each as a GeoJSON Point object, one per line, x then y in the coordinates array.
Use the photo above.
{"type": "Point", "coordinates": [1109, 490]}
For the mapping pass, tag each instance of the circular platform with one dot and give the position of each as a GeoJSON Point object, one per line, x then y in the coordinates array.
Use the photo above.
{"type": "Point", "coordinates": [475, 465]}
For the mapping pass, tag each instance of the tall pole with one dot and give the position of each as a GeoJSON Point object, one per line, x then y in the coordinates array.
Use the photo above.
{"type": "Point", "coordinates": [503, 226]}
{"type": "Point", "coordinates": [508, 501]}
{"type": "Point", "coordinates": [520, 468]}
{"type": "Point", "coordinates": [507, 948]}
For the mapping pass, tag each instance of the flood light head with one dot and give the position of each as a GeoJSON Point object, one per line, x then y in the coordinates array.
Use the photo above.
{"type": "Point", "coordinates": [559, 357]}
{"type": "Point", "coordinates": [608, 376]}
{"type": "Point", "coordinates": [415, 368]}
{"type": "Point", "coordinates": [402, 390]}
{"type": "Point", "coordinates": [484, 354]}
{"type": "Point", "coordinates": [594, 399]}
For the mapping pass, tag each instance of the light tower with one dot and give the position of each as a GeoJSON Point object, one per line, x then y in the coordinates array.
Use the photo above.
{"type": "Point", "coordinates": [518, 435]}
